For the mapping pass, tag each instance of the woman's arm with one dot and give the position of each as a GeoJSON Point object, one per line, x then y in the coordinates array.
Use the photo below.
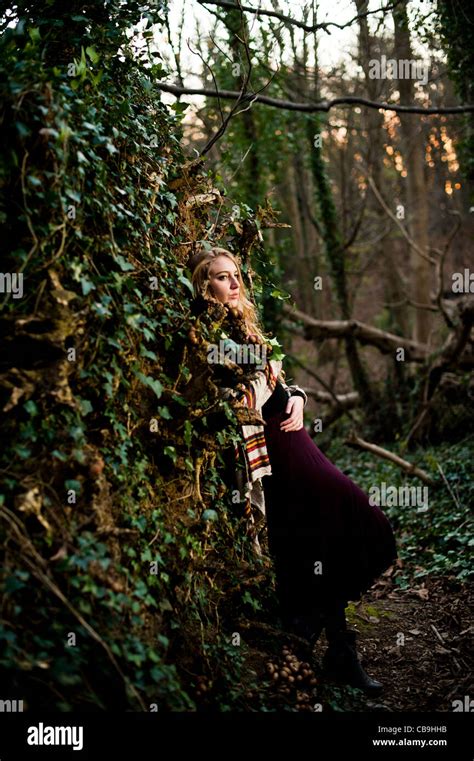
{"type": "Point", "coordinates": [294, 407]}
{"type": "Point", "coordinates": [294, 390]}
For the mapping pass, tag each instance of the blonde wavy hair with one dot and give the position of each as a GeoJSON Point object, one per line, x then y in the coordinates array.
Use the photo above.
{"type": "Point", "coordinates": [199, 265]}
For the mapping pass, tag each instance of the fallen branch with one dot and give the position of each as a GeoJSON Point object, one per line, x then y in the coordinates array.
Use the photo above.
{"type": "Point", "coordinates": [387, 343]}
{"type": "Point", "coordinates": [354, 441]}
{"type": "Point", "coordinates": [349, 400]}
{"type": "Point", "coordinates": [338, 404]}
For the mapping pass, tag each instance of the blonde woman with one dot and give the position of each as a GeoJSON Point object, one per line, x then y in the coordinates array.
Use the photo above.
{"type": "Point", "coordinates": [328, 542]}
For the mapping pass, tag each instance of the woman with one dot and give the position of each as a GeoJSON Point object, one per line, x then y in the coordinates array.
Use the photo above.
{"type": "Point", "coordinates": [329, 544]}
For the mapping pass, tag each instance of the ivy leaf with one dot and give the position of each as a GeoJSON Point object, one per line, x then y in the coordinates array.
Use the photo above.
{"type": "Point", "coordinates": [74, 195]}
{"type": "Point", "coordinates": [277, 349]}
{"type": "Point", "coordinates": [22, 129]}
{"type": "Point", "coordinates": [85, 405]}
{"type": "Point", "coordinates": [72, 484]}
{"type": "Point", "coordinates": [93, 54]}
{"type": "Point", "coordinates": [59, 455]}
{"type": "Point", "coordinates": [171, 452]}
{"type": "Point", "coordinates": [180, 108]}
{"type": "Point", "coordinates": [280, 295]}
{"type": "Point", "coordinates": [209, 515]}
{"type": "Point", "coordinates": [31, 407]}
{"type": "Point", "coordinates": [153, 383]}
{"type": "Point", "coordinates": [34, 34]}
{"type": "Point", "coordinates": [123, 264]}
{"type": "Point", "coordinates": [23, 452]}
{"type": "Point", "coordinates": [147, 353]}
{"type": "Point", "coordinates": [87, 286]}
{"type": "Point", "coordinates": [185, 281]}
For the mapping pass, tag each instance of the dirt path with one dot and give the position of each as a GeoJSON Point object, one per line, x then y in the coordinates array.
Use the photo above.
{"type": "Point", "coordinates": [417, 642]}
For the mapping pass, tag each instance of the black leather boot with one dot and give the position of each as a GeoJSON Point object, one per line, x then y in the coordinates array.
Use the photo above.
{"type": "Point", "coordinates": [340, 663]}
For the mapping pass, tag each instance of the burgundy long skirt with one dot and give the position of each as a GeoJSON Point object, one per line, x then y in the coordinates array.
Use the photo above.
{"type": "Point", "coordinates": [329, 543]}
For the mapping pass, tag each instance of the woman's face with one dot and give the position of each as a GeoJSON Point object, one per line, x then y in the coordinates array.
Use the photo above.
{"type": "Point", "coordinates": [223, 280]}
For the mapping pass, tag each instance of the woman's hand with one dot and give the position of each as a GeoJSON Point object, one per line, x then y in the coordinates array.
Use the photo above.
{"type": "Point", "coordinates": [295, 421]}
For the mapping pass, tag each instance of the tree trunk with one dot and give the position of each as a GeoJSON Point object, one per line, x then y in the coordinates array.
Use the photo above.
{"type": "Point", "coordinates": [418, 214]}
{"type": "Point", "coordinates": [393, 286]}
{"type": "Point", "coordinates": [237, 27]}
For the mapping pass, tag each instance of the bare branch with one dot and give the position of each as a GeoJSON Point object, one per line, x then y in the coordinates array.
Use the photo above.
{"type": "Point", "coordinates": [409, 302]}
{"type": "Point", "coordinates": [294, 22]}
{"type": "Point", "coordinates": [209, 68]}
{"type": "Point", "coordinates": [387, 343]}
{"type": "Point", "coordinates": [440, 270]}
{"type": "Point", "coordinates": [351, 399]}
{"type": "Point", "coordinates": [243, 96]}
{"type": "Point", "coordinates": [344, 403]}
{"type": "Point", "coordinates": [348, 100]}
{"type": "Point", "coordinates": [392, 216]}
{"type": "Point", "coordinates": [355, 441]}
{"type": "Point", "coordinates": [176, 54]}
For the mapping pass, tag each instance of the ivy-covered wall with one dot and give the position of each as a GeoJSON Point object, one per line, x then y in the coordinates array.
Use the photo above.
{"type": "Point", "coordinates": [125, 563]}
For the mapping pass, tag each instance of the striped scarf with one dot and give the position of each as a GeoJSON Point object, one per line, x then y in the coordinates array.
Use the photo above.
{"type": "Point", "coordinates": [251, 453]}
{"type": "Point", "coordinates": [255, 396]}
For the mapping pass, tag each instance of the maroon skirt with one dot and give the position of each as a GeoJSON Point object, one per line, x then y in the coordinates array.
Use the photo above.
{"type": "Point", "coordinates": [328, 542]}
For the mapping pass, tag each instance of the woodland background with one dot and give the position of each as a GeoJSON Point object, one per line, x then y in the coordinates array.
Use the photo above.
{"type": "Point", "coordinates": [128, 580]}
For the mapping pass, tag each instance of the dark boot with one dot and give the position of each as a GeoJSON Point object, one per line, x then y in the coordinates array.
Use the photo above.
{"type": "Point", "coordinates": [340, 663]}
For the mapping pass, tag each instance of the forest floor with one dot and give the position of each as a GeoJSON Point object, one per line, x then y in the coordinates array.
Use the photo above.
{"type": "Point", "coordinates": [416, 641]}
